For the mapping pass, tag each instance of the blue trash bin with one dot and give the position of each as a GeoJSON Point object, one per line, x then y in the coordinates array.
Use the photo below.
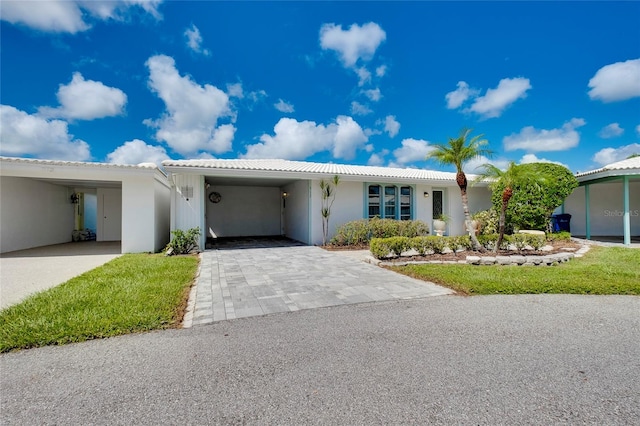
{"type": "Point", "coordinates": [562, 222]}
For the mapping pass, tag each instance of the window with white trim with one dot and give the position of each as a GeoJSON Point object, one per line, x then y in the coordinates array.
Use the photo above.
{"type": "Point", "coordinates": [389, 202]}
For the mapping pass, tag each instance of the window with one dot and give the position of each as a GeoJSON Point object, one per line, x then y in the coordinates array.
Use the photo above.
{"type": "Point", "coordinates": [438, 203]}
{"type": "Point", "coordinates": [374, 201]}
{"type": "Point", "coordinates": [389, 202]}
{"type": "Point", "coordinates": [405, 203]}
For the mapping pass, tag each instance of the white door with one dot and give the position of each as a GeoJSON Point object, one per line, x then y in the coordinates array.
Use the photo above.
{"type": "Point", "coordinates": [110, 214]}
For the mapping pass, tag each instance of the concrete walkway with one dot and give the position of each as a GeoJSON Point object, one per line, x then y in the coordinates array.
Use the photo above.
{"type": "Point", "coordinates": [25, 272]}
{"type": "Point", "coordinates": [248, 280]}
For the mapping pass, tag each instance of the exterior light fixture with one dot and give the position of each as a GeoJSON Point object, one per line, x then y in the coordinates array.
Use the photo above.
{"type": "Point", "coordinates": [426, 195]}
{"type": "Point", "coordinates": [75, 198]}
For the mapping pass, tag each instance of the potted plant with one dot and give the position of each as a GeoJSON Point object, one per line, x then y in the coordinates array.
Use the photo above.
{"type": "Point", "coordinates": [440, 224]}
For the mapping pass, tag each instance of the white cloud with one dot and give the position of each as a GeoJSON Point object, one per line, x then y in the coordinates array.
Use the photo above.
{"type": "Point", "coordinates": [611, 155]}
{"type": "Point", "coordinates": [377, 159]}
{"type": "Point", "coordinates": [611, 131]}
{"type": "Point", "coordinates": [391, 126]}
{"type": "Point", "coordinates": [194, 40]}
{"type": "Point", "coordinates": [495, 101]}
{"type": "Point", "coordinates": [190, 123]}
{"type": "Point", "coordinates": [373, 94]}
{"type": "Point", "coordinates": [359, 109]}
{"type": "Point", "coordinates": [349, 137]}
{"type": "Point", "coordinates": [473, 166]}
{"type": "Point", "coordinates": [638, 129]}
{"type": "Point", "coordinates": [297, 140]}
{"type": "Point", "coordinates": [364, 76]}
{"type": "Point", "coordinates": [358, 42]}
{"type": "Point", "coordinates": [136, 152]}
{"type": "Point", "coordinates": [23, 134]}
{"type": "Point", "coordinates": [616, 82]}
{"type": "Point", "coordinates": [257, 95]}
{"type": "Point", "coordinates": [235, 90]}
{"type": "Point", "coordinates": [67, 16]}
{"type": "Point", "coordinates": [412, 150]}
{"type": "Point", "coordinates": [532, 158]}
{"type": "Point", "coordinates": [284, 106]}
{"type": "Point", "coordinates": [86, 100]}
{"type": "Point", "coordinates": [460, 95]}
{"type": "Point", "coordinates": [381, 70]}
{"type": "Point", "coordinates": [535, 140]}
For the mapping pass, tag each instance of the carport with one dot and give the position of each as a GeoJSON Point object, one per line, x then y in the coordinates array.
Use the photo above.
{"type": "Point", "coordinates": [46, 202]}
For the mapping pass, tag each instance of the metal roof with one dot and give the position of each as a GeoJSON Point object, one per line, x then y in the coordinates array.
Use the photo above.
{"type": "Point", "coordinates": [284, 167]}
{"type": "Point", "coordinates": [18, 160]}
{"type": "Point", "coordinates": [624, 167]}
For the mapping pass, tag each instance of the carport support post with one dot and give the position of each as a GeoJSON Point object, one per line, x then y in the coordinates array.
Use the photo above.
{"type": "Point", "coordinates": [626, 219]}
{"type": "Point", "coordinates": [587, 202]}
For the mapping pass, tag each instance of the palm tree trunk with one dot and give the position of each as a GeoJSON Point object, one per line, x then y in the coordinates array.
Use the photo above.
{"type": "Point", "coordinates": [506, 196]}
{"type": "Point", "coordinates": [467, 220]}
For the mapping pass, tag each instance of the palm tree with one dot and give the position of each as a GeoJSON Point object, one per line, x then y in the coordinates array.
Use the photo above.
{"type": "Point", "coordinates": [506, 180]}
{"type": "Point", "coordinates": [456, 152]}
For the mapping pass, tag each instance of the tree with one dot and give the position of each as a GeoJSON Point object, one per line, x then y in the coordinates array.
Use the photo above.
{"type": "Point", "coordinates": [328, 190]}
{"type": "Point", "coordinates": [456, 152]}
{"type": "Point", "coordinates": [533, 202]}
{"type": "Point", "coordinates": [503, 182]}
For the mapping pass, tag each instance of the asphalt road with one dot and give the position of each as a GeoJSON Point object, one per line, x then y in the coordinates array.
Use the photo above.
{"type": "Point", "coordinates": [441, 360]}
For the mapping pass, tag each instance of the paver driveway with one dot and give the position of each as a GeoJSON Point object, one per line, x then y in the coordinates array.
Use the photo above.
{"type": "Point", "coordinates": [249, 278]}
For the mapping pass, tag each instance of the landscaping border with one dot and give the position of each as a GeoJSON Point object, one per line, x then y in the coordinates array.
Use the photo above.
{"type": "Point", "coordinates": [514, 260]}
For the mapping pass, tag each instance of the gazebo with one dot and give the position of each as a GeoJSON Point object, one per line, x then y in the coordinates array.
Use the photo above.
{"type": "Point", "coordinates": [607, 202]}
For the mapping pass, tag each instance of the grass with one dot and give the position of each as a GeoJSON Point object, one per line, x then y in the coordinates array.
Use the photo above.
{"type": "Point", "coordinates": [603, 270]}
{"type": "Point", "coordinates": [132, 293]}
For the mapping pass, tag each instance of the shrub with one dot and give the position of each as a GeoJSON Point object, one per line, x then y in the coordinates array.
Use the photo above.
{"type": "Point", "coordinates": [183, 242]}
{"type": "Point", "coordinates": [352, 233]}
{"type": "Point", "coordinates": [379, 248]}
{"type": "Point", "coordinates": [437, 244]}
{"type": "Point", "coordinates": [537, 241]}
{"type": "Point", "coordinates": [559, 236]}
{"type": "Point", "coordinates": [420, 244]}
{"type": "Point", "coordinates": [460, 242]}
{"type": "Point", "coordinates": [360, 232]}
{"type": "Point", "coordinates": [398, 244]}
{"type": "Point", "coordinates": [488, 221]}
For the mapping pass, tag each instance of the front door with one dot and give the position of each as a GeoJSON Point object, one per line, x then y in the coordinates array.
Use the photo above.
{"type": "Point", "coordinates": [110, 214]}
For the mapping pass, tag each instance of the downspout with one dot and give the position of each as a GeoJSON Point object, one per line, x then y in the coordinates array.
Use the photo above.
{"type": "Point", "coordinates": [587, 200]}
{"type": "Point", "coordinates": [626, 219]}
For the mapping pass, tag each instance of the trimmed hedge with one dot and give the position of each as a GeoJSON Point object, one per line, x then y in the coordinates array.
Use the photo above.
{"type": "Point", "coordinates": [360, 232]}
{"type": "Point", "coordinates": [424, 245]}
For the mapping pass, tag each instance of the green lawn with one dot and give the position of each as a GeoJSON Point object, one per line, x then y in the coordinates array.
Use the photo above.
{"type": "Point", "coordinates": [132, 293]}
{"type": "Point", "coordinates": [603, 270]}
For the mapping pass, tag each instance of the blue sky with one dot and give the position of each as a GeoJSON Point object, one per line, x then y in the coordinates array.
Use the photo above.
{"type": "Point", "coordinates": [347, 82]}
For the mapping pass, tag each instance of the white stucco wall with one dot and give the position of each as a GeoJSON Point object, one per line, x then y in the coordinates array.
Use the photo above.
{"type": "Point", "coordinates": [296, 211]}
{"type": "Point", "coordinates": [244, 211]}
{"type": "Point", "coordinates": [348, 206]}
{"type": "Point", "coordinates": [145, 214]}
{"type": "Point", "coordinates": [606, 201]}
{"type": "Point", "coordinates": [187, 213]}
{"type": "Point", "coordinates": [33, 213]}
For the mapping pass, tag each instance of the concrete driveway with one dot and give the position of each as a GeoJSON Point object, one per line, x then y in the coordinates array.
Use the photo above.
{"type": "Point", "coordinates": [252, 277]}
{"type": "Point", "coordinates": [25, 272]}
